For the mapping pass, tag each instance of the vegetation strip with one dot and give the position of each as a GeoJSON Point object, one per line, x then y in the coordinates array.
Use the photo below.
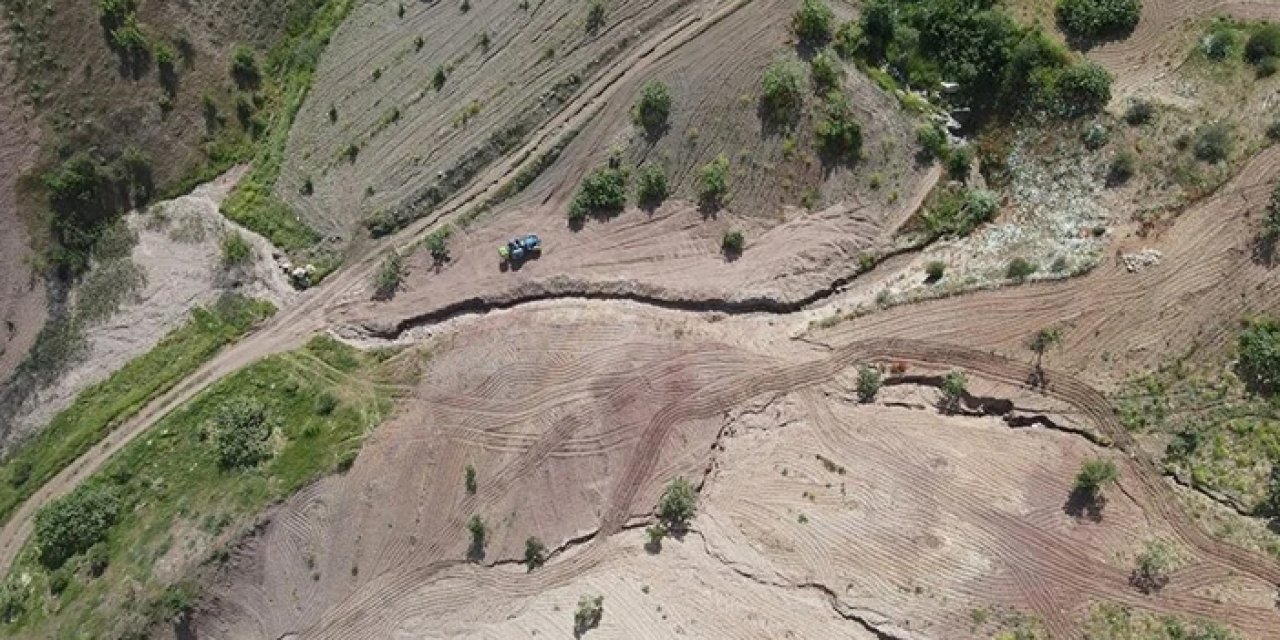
{"type": "Point", "coordinates": [101, 407]}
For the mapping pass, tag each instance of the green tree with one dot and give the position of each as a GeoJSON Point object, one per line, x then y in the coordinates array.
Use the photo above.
{"type": "Point", "coordinates": [679, 503]}
{"type": "Point", "coordinates": [388, 277]}
{"type": "Point", "coordinates": [469, 479]}
{"type": "Point", "coordinates": [933, 141]}
{"type": "Point", "coordinates": [595, 16]}
{"type": "Point", "coordinates": [437, 79]}
{"type": "Point", "coordinates": [535, 553]}
{"type": "Point", "coordinates": [437, 243]}
{"type": "Point", "coordinates": [1154, 564]}
{"type": "Point", "coordinates": [1044, 340]}
{"type": "Point", "coordinates": [714, 178]}
{"type": "Point", "coordinates": [869, 382]}
{"type": "Point", "coordinates": [1095, 475]}
{"type": "Point", "coordinates": [244, 428]}
{"type": "Point", "coordinates": [825, 72]}
{"type": "Point", "coordinates": [1020, 269]}
{"type": "Point", "coordinates": [783, 93]}
{"type": "Point", "coordinates": [654, 106]}
{"type": "Point", "coordinates": [1214, 142]}
{"type": "Point", "coordinates": [70, 525]}
{"type": "Point", "coordinates": [839, 134]}
{"type": "Point", "coordinates": [733, 242]}
{"type": "Point", "coordinates": [651, 186]}
{"type": "Point", "coordinates": [954, 385]}
{"type": "Point", "coordinates": [588, 614]}
{"type": "Point", "coordinates": [244, 68]}
{"type": "Point", "coordinates": [1263, 44]}
{"type": "Point", "coordinates": [478, 533]}
{"type": "Point", "coordinates": [1082, 89]}
{"type": "Point", "coordinates": [1098, 18]}
{"type": "Point", "coordinates": [602, 192]}
{"type": "Point", "coordinates": [934, 271]}
{"type": "Point", "coordinates": [1259, 355]}
{"type": "Point", "coordinates": [813, 22]}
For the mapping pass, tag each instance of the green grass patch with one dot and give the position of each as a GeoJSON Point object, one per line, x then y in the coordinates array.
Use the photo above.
{"type": "Point", "coordinates": [1110, 621]}
{"type": "Point", "coordinates": [175, 498]}
{"type": "Point", "coordinates": [102, 407]}
{"type": "Point", "coordinates": [290, 69]}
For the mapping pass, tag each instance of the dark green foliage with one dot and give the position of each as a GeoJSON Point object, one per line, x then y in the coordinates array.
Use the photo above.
{"type": "Point", "coordinates": [651, 186]}
{"type": "Point", "coordinates": [72, 524]}
{"type": "Point", "coordinates": [1140, 112]}
{"type": "Point", "coordinates": [714, 181]}
{"type": "Point", "coordinates": [813, 22]}
{"type": "Point", "coordinates": [588, 614]}
{"type": "Point", "coordinates": [1122, 168]}
{"type": "Point", "coordinates": [87, 193]}
{"type": "Point", "coordinates": [783, 93]}
{"type": "Point", "coordinates": [1220, 43]}
{"type": "Point", "coordinates": [839, 135]}
{"type": "Point", "coordinates": [325, 403]}
{"type": "Point", "coordinates": [933, 141]}
{"type": "Point", "coordinates": [848, 39]}
{"type": "Point", "coordinates": [244, 68]}
{"type": "Point", "coordinates": [1154, 564]}
{"type": "Point", "coordinates": [732, 242]}
{"type": "Point", "coordinates": [418, 43]}
{"type": "Point", "coordinates": [478, 534]}
{"type": "Point", "coordinates": [959, 161]}
{"type": "Point", "coordinates": [869, 381]}
{"type": "Point", "coordinates": [469, 479]}
{"type": "Point", "coordinates": [1259, 357]}
{"type": "Point", "coordinates": [825, 72]}
{"type": "Point", "coordinates": [438, 78]}
{"type": "Point", "coordinates": [1264, 43]}
{"type": "Point", "coordinates": [1095, 136]}
{"type": "Point", "coordinates": [654, 106]}
{"type": "Point", "coordinates": [388, 277]}
{"type": "Point", "coordinates": [1268, 66]}
{"type": "Point", "coordinates": [679, 503]}
{"type": "Point", "coordinates": [1214, 142]}
{"type": "Point", "coordinates": [1082, 89]}
{"type": "Point", "coordinates": [934, 271]}
{"type": "Point", "coordinates": [1095, 475]}
{"type": "Point", "coordinates": [437, 243]}
{"type": "Point", "coordinates": [1089, 19]}
{"type": "Point", "coordinates": [244, 429]}
{"type": "Point", "coordinates": [1020, 269]}
{"type": "Point", "coordinates": [595, 16]}
{"type": "Point", "coordinates": [954, 385]}
{"type": "Point", "coordinates": [602, 192]}
{"type": "Point", "coordinates": [957, 212]}
{"type": "Point", "coordinates": [400, 10]}
{"type": "Point", "coordinates": [535, 553]}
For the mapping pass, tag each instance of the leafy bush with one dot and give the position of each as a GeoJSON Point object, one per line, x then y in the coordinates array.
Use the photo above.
{"type": "Point", "coordinates": [1098, 18]}
{"type": "Point", "coordinates": [438, 78]}
{"type": "Point", "coordinates": [1219, 43]}
{"type": "Point", "coordinates": [935, 270]}
{"type": "Point", "coordinates": [714, 179]}
{"type": "Point", "coordinates": [933, 141]}
{"type": "Point", "coordinates": [236, 250]}
{"type": "Point", "coordinates": [595, 16]}
{"type": "Point", "coordinates": [1020, 268]}
{"type": "Point", "coordinates": [954, 385]}
{"type": "Point", "coordinates": [1095, 136]}
{"type": "Point", "coordinates": [1214, 142]}
{"type": "Point", "coordinates": [732, 243]}
{"type": "Point", "coordinates": [603, 191]}
{"type": "Point", "coordinates": [679, 503]}
{"type": "Point", "coordinates": [388, 277]}
{"type": "Point", "coordinates": [243, 434]}
{"type": "Point", "coordinates": [1082, 89]}
{"type": "Point", "coordinates": [1154, 564]}
{"type": "Point", "coordinates": [437, 243]}
{"type": "Point", "coordinates": [783, 95]}
{"type": "Point", "coordinates": [588, 614]}
{"type": "Point", "coordinates": [825, 72]}
{"type": "Point", "coordinates": [1122, 168]}
{"type": "Point", "coordinates": [469, 479]}
{"type": "Point", "coordinates": [244, 68]}
{"type": "Point", "coordinates": [812, 23]}
{"type": "Point", "coordinates": [72, 524]}
{"type": "Point", "coordinates": [959, 160]}
{"type": "Point", "coordinates": [1268, 67]}
{"type": "Point", "coordinates": [1263, 43]}
{"type": "Point", "coordinates": [651, 185]}
{"type": "Point", "coordinates": [839, 135]}
{"type": "Point", "coordinates": [848, 39]}
{"type": "Point", "coordinates": [1095, 475]}
{"type": "Point", "coordinates": [957, 212]}
{"type": "Point", "coordinates": [1140, 112]}
{"type": "Point", "coordinates": [869, 381]}
{"type": "Point", "coordinates": [654, 106]}
{"type": "Point", "coordinates": [1259, 355]}
{"type": "Point", "coordinates": [130, 39]}
{"type": "Point", "coordinates": [478, 533]}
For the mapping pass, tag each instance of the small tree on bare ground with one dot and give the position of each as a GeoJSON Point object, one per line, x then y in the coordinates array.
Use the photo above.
{"type": "Point", "coordinates": [1043, 340]}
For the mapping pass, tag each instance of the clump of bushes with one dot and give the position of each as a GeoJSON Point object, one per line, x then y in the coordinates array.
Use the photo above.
{"type": "Point", "coordinates": [783, 94]}
{"type": "Point", "coordinates": [1090, 19]}
{"type": "Point", "coordinates": [243, 434]}
{"type": "Point", "coordinates": [388, 277]}
{"type": "Point", "coordinates": [603, 191]}
{"type": "Point", "coordinates": [651, 186]}
{"type": "Point", "coordinates": [933, 141]}
{"type": "Point", "coordinates": [714, 179]}
{"type": "Point", "coordinates": [1095, 475]}
{"type": "Point", "coordinates": [588, 615]}
{"type": "Point", "coordinates": [71, 525]}
{"type": "Point", "coordinates": [839, 135]}
{"type": "Point", "coordinates": [1140, 112]}
{"type": "Point", "coordinates": [1214, 142]}
{"type": "Point", "coordinates": [1020, 269]}
{"type": "Point", "coordinates": [1263, 45]}
{"type": "Point", "coordinates": [654, 106]}
{"type": "Point", "coordinates": [679, 504]}
{"type": "Point", "coordinates": [1259, 355]}
{"type": "Point", "coordinates": [957, 212]}
{"type": "Point", "coordinates": [825, 72]}
{"type": "Point", "coordinates": [813, 22]}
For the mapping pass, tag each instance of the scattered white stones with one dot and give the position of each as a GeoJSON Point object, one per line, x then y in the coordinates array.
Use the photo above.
{"type": "Point", "coordinates": [1135, 262]}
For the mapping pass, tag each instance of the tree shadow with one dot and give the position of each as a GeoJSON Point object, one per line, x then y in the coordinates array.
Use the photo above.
{"type": "Point", "coordinates": [1263, 250]}
{"type": "Point", "coordinates": [1084, 505]}
{"type": "Point", "coordinates": [475, 552]}
{"type": "Point", "coordinates": [773, 123]}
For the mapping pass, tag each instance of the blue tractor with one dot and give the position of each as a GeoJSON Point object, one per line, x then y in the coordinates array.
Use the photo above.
{"type": "Point", "coordinates": [520, 248]}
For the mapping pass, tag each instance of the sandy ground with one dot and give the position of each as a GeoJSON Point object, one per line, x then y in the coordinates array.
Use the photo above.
{"type": "Point", "coordinates": [22, 300]}
{"type": "Point", "coordinates": [178, 252]}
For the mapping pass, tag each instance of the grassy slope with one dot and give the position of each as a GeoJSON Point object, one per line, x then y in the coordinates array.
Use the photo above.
{"type": "Point", "coordinates": [101, 407]}
{"type": "Point", "coordinates": [178, 501]}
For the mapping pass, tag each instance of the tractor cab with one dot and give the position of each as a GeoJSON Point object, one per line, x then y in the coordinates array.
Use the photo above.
{"type": "Point", "coordinates": [520, 248]}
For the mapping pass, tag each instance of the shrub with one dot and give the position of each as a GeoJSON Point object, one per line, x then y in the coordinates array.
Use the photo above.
{"type": "Point", "coordinates": [1020, 268]}
{"type": "Point", "coordinates": [72, 524]}
{"type": "Point", "coordinates": [437, 243]}
{"type": "Point", "coordinates": [324, 404]}
{"type": "Point", "coordinates": [1082, 89]}
{"type": "Point", "coordinates": [1267, 67]}
{"type": "Point", "coordinates": [839, 135]}
{"type": "Point", "coordinates": [535, 553]}
{"type": "Point", "coordinates": [933, 141]}
{"type": "Point", "coordinates": [1154, 564]}
{"type": "Point", "coordinates": [1095, 136]}
{"type": "Point", "coordinates": [812, 23]}
{"type": "Point", "coordinates": [1140, 112]}
{"type": "Point", "coordinates": [825, 72]}
{"type": "Point", "coordinates": [476, 526]}
{"type": "Point", "coordinates": [714, 179]}
{"type": "Point", "coordinates": [587, 616]}
{"type": "Point", "coordinates": [1098, 18]}
{"type": "Point", "coordinates": [848, 40]}
{"type": "Point", "coordinates": [243, 433]}
{"type": "Point", "coordinates": [935, 270]}
{"type": "Point", "coordinates": [595, 16]}
{"type": "Point", "coordinates": [130, 38]}
{"type": "Point", "coordinates": [1122, 168]}
{"type": "Point", "coordinates": [469, 479]}
{"type": "Point", "coordinates": [1044, 340]}
{"type": "Point", "coordinates": [244, 68]}
{"type": "Point", "coordinates": [869, 381]}
{"type": "Point", "coordinates": [656, 533]}
{"type": "Point", "coordinates": [1095, 475]}
{"type": "Point", "coordinates": [388, 277]}
{"type": "Point", "coordinates": [236, 250]}
{"type": "Point", "coordinates": [1264, 43]}
{"type": "Point", "coordinates": [679, 503]}
{"type": "Point", "coordinates": [732, 243]}
{"type": "Point", "coordinates": [954, 385]}
{"type": "Point", "coordinates": [651, 185]}
{"type": "Point", "coordinates": [654, 106]}
{"type": "Point", "coordinates": [438, 78]}
{"type": "Point", "coordinates": [959, 160]}
{"type": "Point", "coordinates": [783, 95]}
{"type": "Point", "coordinates": [958, 212]}
{"type": "Point", "coordinates": [1219, 43]}
{"type": "Point", "coordinates": [603, 191]}
{"type": "Point", "coordinates": [1259, 355]}
{"type": "Point", "coordinates": [1214, 142]}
